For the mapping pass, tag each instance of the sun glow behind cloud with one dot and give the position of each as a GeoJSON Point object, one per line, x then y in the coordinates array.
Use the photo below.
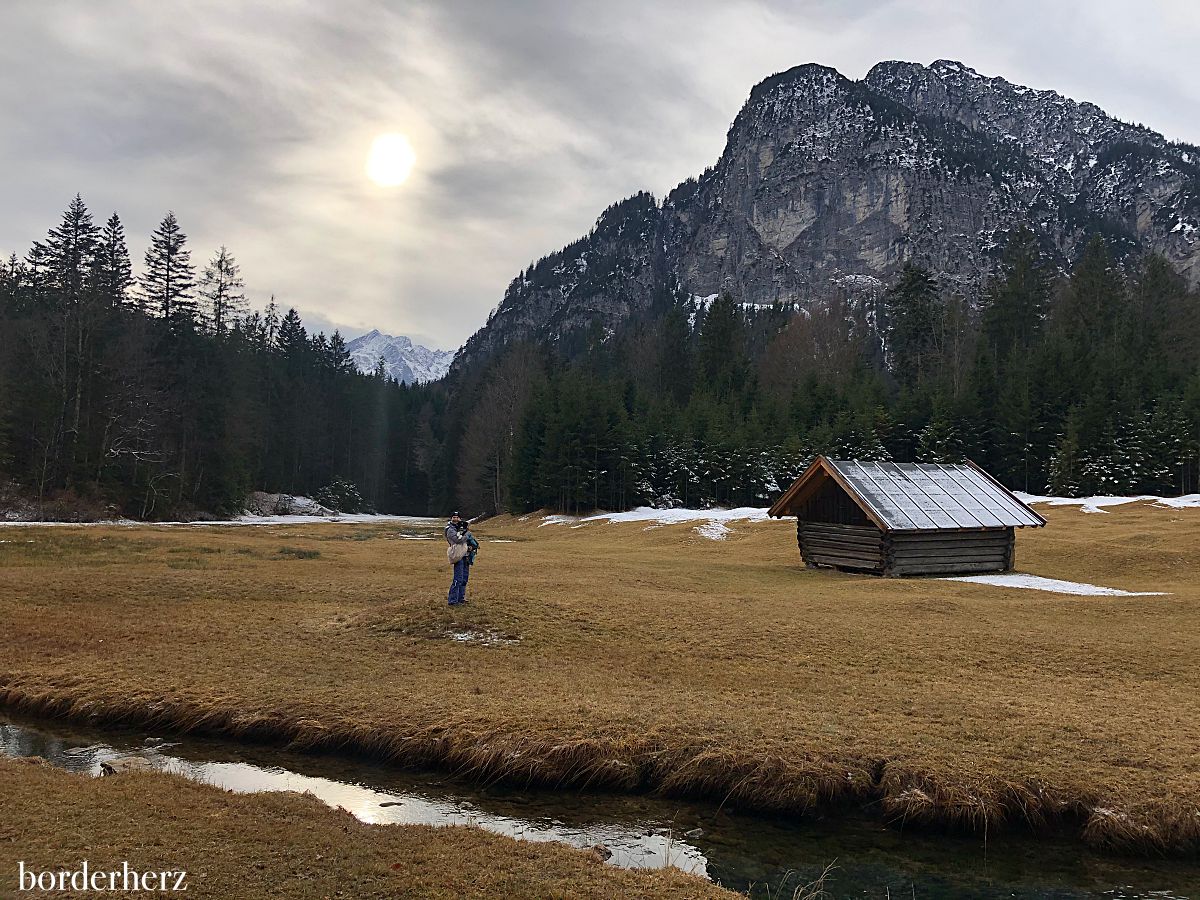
{"type": "Point", "coordinates": [254, 121]}
{"type": "Point", "coordinates": [391, 160]}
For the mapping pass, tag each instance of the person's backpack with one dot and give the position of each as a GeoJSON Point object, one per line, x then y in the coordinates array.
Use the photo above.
{"type": "Point", "coordinates": [456, 552]}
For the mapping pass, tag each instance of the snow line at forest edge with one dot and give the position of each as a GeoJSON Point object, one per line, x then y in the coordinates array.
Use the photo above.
{"type": "Point", "coordinates": [1096, 504]}
{"type": "Point", "coordinates": [714, 522]}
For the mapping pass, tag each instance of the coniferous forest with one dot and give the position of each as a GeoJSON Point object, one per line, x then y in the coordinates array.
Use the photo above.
{"type": "Point", "coordinates": [165, 395]}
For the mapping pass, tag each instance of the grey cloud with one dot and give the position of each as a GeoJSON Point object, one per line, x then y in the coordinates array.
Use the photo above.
{"type": "Point", "coordinates": [252, 120]}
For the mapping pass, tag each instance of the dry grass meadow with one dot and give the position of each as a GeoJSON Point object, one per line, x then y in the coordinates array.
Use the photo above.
{"type": "Point", "coordinates": [650, 659]}
{"type": "Point", "coordinates": [284, 845]}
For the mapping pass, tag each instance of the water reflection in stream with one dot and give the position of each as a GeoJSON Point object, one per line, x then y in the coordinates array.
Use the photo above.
{"type": "Point", "coordinates": [740, 851]}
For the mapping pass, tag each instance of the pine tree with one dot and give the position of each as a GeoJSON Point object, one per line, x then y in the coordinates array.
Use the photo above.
{"type": "Point", "coordinates": [292, 340]}
{"type": "Point", "coordinates": [1067, 464]}
{"type": "Point", "coordinates": [940, 441]}
{"type": "Point", "coordinates": [169, 277]}
{"type": "Point", "coordinates": [339, 356]}
{"type": "Point", "coordinates": [915, 309]}
{"type": "Point", "coordinates": [1093, 308]}
{"type": "Point", "coordinates": [1014, 306]}
{"type": "Point", "coordinates": [69, 253]}
{"type": "Point", "coordinates": [65, 265]}
{"type": "Point", "coordinates": [222, 288]}
{"type": "Point", "coordinates": [270, 328]}
{"type": "Point", "coordinates": [114, 272]}
{"type": "Point", "coordinates": [724, 363]}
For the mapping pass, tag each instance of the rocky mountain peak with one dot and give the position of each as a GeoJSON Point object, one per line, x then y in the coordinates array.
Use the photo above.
{"type": "Point", "coordinates": [828, 184]}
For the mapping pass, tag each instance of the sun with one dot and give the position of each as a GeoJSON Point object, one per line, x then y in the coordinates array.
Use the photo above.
{"type": "Point", "coordinates": [390, 160]}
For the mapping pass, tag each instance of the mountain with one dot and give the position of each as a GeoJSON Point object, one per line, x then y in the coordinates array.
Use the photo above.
{"type": "Point", "coordinates": [403, 360]}
{"type": "Point", "coordinates": [828, 186]}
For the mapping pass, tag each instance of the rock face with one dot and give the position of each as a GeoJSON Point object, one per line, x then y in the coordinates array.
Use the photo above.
{"type": "Point", "coordinates": [828, 186]}
{"type": "Point", "coordinates": [403, 360]}
{"type": "Point", "coordinates": [1145, 188]}
{"type": "Point", "coordinates": [581, 294]}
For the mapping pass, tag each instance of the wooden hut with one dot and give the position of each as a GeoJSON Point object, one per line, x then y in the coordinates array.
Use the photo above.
{"type": "Point", "coordinates": [904, 518]}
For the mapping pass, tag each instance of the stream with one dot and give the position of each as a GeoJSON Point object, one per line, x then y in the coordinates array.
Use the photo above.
{"type": "Point", "coordinates": [764, 856]}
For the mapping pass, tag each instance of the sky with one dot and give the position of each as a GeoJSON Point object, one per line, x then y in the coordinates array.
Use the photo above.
{"type": "Point", "coordinates": [252, 121]}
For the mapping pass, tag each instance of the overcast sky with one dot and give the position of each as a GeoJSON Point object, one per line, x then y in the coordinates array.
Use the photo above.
{"type": "Point", "coordinates": [252, 121]}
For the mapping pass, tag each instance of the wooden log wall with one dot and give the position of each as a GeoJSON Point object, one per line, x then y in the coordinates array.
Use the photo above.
{"type": "Point", "coordinates": [859, 547]}
{"type": "Point", "coordinates": [950, 552]}
{"type": "Point", "coordinates": [868, 549]}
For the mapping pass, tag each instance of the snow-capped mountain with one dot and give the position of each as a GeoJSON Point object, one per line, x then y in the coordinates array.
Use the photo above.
{"type": "Point", "coordinates": [402, 359]}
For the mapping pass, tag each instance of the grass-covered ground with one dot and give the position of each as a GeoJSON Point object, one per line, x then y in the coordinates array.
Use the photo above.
{"type": "Point", "coordinates": [283, 845]}
{"type": "Point", "coordinates": [651, 660]}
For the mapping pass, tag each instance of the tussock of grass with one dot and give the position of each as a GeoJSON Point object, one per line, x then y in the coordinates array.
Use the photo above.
{"type": "Point", "coordinates": [285, 845]}
{"type": "Point", "coordinates": [656, 661]}
{"type": "Point", "coordinates": [297, 553]}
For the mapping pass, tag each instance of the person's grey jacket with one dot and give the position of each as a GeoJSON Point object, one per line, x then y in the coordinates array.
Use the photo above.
{"type": "Point", "coordinates": [454, 536]}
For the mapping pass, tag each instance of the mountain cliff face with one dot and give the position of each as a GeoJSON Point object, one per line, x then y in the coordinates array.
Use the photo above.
{"type": "Point", "coordinates": [828, 185]}
{"type": "Point", "coordinates": [1143, 187]}
{"type": "Point", "coordinates": [590, 286]}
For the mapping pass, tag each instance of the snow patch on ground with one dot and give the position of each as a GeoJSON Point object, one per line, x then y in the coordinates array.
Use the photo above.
{"type": "Point", "coordinates": [712, 523]}
{"type": "Point", "coordinates": [1052, 585]}
{"type": "Point", "coordinates": [714, 531]}
{"type": "Point", "coordinates": [1187, 501]}
{"type": "Point", "coordinates": [489, 638]}
{"type": "Point", "coordinates": [683, 516]}
{"type": "Point", "coordinates": [1097, 504]}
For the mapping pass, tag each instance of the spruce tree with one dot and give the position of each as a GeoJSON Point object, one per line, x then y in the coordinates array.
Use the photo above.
{"type": "Point", "coordinates": [169, 276]}
{"type": "Point", "coordinates": [70, 252]}
{"type": "Point", "coordinates": [291, 339]}
{"type": "Point", "coordinates": [339, 356]}
{"type": "Point", "coordinates": [914, 308]}
{"type": "Point", "coordinates": [724, 363]}
{"type": "Point", "coordinates": [114, 272]}
{"type": "Point", "coordinates": [66, 265]}
{"type": "Point", "coordinates": [1014, 305]}
{"type": "Point", "coordinates": [222, 289]}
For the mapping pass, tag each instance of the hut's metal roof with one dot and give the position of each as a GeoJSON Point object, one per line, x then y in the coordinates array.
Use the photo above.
{"type": "Point", "coordinates": [923, 496]}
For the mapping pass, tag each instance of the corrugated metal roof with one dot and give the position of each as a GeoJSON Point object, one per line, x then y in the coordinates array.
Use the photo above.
{"type": "Point", "coordinates": [922, 496]}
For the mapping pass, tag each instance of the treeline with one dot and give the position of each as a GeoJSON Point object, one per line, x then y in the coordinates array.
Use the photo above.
{"type": "Point", "coordinates": [166, 396]}
{"type": "Point", "coordinates": [1077, 384]}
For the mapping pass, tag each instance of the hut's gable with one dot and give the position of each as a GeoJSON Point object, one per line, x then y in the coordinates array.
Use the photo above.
{"type": "Point", "coordinates": [904, 519]}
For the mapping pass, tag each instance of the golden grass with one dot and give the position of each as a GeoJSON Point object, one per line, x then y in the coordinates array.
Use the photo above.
{"type": "Point", "coordinates": [651, 660]}
{"type": "Point", "coordinates": [284, 845]}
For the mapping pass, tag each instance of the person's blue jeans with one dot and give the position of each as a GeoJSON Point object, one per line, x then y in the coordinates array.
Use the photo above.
{"type": "Point", "coordinates": [458, 587]}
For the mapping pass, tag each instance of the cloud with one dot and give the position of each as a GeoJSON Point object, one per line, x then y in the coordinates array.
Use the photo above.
{"type": "Point", "coordinates": [252, 120]}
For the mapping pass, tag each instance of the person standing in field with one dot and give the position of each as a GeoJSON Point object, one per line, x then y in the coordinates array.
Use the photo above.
{"type": "Point", "coordinates": [460, 552]}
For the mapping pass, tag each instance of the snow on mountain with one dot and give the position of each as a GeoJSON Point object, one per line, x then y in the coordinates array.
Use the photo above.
{"type": "Point", "coordinates": [403, 360]}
